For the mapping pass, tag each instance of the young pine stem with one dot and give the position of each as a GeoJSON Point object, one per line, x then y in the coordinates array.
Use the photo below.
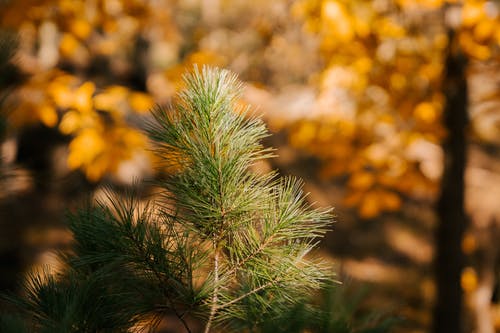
{"type": "Point", "coordinates": [215, 297]}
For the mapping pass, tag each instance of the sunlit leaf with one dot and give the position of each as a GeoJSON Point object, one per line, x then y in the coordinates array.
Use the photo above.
{"type": "Point", "coordinates": [472, 12]}
{"type": "Point", "coordinates": [82, 98]}
{"type": "Point", "coordinates": [361, 181]}
{"type": "Point", "coordinates": [70, 122]}
{"type": "Point", "coordinates": [140, 102]}
{"type": "Point", "coordinates": [370, 206]}
{"type": "Point", "coordinates": [425, 112]}
{"type": "Point", "coordinates": [80, 28]}
{"type": "Point", "coordinates": [111, 99]}
{"type": "Point", "coordinates": [85, 147]}
{"type": "Point", "coordinates": [68, 45]}
{"type": "Point", "coordinates": [48, 115]}
{"type": "Point", "coordinates": [469, 280]}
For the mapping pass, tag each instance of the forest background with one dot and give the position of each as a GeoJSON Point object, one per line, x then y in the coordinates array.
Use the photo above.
{"type": "Point", "coordinates": [366, 101]}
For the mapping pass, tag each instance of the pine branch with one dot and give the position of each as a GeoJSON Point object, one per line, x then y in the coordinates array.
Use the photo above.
{"type": "Point", "coordinates": [253, 221]}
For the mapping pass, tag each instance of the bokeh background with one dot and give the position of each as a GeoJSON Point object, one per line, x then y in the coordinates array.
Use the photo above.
{"type": "Point", "coordinates": [354, 92]}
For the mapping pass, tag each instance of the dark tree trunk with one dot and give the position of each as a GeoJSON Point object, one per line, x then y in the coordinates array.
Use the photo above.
{"type": "Point", "coordinates": [450, 207]}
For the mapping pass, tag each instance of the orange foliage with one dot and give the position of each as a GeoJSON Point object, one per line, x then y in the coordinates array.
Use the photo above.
{"type": "Point", "coordinates": [380, 85]}
{"type": "Point", "coordinates": [101, 138]}
{"type": "Point", "coordinates": [94, 111]}
{"type": "Point", "coordinates": [381, 89]}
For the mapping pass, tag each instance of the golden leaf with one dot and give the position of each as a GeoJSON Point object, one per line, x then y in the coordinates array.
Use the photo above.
{"type": "Point", "coordinates": [48, 115]}
{"type": "Point", "coordinates": [472, 12]}
{"type": "Point", "coordinates": [111, 99]}
{"type": "Point", "coordinates": [398, 81]}
{"type": "Point", "coordinates": [425, 112]}
{"type": "Point", "coordinates": [82, 98]}
{"type": "Point", "coordinates": [468, 279]}
{"type": "Point", "coordinates": [85, 147]}
{"type": "Point", "coordinates": [70, 122]}
{"type": "Point", "coordinates": [97, 168]}
{"type": "Point", "coordinates": [370, 206]}
{"type": "Point", "coordinates": [484, 30]}
{"type": "Point", "coordinates": [140, 102]}
{"type": "Point", "coordinates": [80, 28]}
{"type": "Point", "coordinates": [59, 90]}
{"type": "Point", "coordinates": [361, 180]}
{"type": "Point", "coordinates": [68, 45]}
{"type": "Point", "coordinates": [337, 20]}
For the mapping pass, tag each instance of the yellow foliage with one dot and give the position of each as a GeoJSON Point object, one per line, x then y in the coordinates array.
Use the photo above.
{"type": "Point", "coordinates": [336, 20]}
{"type": "Point", "coordinates": [440, 41]}
{"type": "Point", "coordinates": [73, 121]}
{"type": "Point", "coordinates": [34, 103]}
{"type": "Point", "coordinates": [384, 64]}
{"type": "Point", "coordinates": [425, 112]}
{"type": "Point", "coordinates": [85, 147]}
{"type": "Point", "coordinates": [363, 64]}
{"type": "Point", "coordinates": [473, 48]}
{"type": "Point", "coordinates": [24, 114]}
{"type": "Point", "coordinates": [83, 30]}
{"type": "Point", "coordinates": [375, 201]}
{"type": "Point", "coordinates": [59, 89]}
{"type": "Point", "coordinates": [68, 45]}
{"type": "Point", "coordinates": [70, 122]}
{"type": "Point", "coordinates": [387, 27]}
{"type": "Point", "coordinates": [432, 3]}
{"type": "Point", "coordinates": [111, 99]}
{"type": "Point", "coordinates": [472, 12]}
{"type": "Point", "coordinates": [361, 180]}
{"type": "Point", "coordinates": [431, 71]}
{"type": "Point", "coordinates": [398, 81]}
{"type": "Point", "coordinates": [98, 146]}
{"type": "Point", "coordinates": [303, 135]}
{"type": "Point", "coordinates": [484, 29]}
{"type": "Point", "coordinates": [98, 152]}
{"type": "Point", "coordinates": [140, 102]}
{"type": "Point", "coordinates": [80, 28]}
{"type": "Point", "coordinates": [82, 97]}
{"type": "Point", "coordinates": [469, 280]}
{"type": "Point", "coordinates": [48, 115]}
{"type": "Point", "coordinates": [370, 206]}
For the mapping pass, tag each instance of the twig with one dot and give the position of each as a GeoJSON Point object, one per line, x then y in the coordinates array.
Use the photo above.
{"type": "Point", "coordinates": [215, 297]}
{"type": "Point", "coordinates": [251, 292]}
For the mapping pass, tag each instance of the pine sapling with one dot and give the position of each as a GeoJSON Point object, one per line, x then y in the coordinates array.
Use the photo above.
{"type": "Point", "coordinates": [223, 244]}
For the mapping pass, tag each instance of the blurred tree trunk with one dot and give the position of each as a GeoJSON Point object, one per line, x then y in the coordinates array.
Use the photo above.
{"type": "Point", "coordinates": [449, 258]}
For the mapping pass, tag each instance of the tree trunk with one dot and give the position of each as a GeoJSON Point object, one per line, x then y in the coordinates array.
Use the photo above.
{"type": "Point", "coordinates": [450, 207]}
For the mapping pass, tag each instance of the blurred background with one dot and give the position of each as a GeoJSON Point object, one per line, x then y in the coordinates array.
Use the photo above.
{"type": "Point", "coordinates": [365, 99]}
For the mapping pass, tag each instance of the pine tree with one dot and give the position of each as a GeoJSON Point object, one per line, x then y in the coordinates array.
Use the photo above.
{"type": "Point", "coordinates": [223, 244]}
